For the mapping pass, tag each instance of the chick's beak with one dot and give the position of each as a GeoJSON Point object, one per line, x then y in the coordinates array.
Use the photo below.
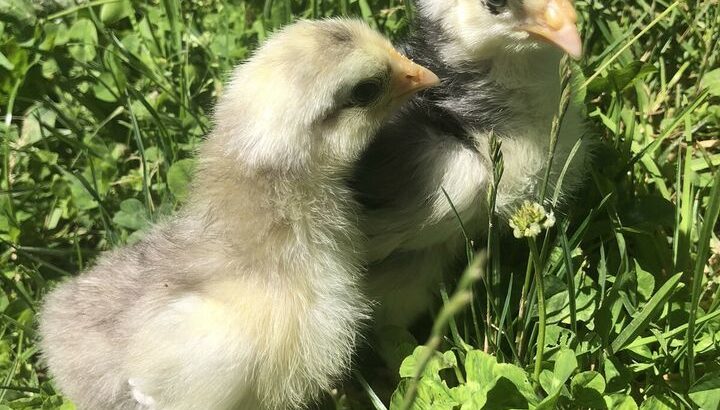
{"type": "Point", "coordinates": [554, 21]}
{"type": "Point", "coordinates": [409, 78]}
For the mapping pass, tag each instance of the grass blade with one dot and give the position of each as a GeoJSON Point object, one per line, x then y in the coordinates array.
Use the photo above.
{"type": "Point", "coordinates": [642, 319]}
{"type": "Point", "coordinates": [709, 221]}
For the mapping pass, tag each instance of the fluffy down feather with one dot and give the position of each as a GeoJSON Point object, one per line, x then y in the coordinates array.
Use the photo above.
{"type": "Point", "coordinates": [495, 78]}
{"type": "Point", "coordinates": [248, 298]}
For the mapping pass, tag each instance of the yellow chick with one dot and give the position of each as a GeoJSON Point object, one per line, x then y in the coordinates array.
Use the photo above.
{"type": "Point", "coordinates": [249, 297]}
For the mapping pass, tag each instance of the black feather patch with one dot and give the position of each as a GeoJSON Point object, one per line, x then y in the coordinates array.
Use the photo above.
{"type": "Point", "coordinates": [467, 102]}
{"type": "Point", "coordinates": [466, 93]}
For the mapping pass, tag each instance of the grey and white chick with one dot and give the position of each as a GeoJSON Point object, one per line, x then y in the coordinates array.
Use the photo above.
{"type": "Point", "coordinates": [248, 298]}
{"type": "Point", "coordinates": [498, 61]}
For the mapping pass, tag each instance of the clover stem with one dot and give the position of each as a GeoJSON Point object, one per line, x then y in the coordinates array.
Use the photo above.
{"type": "Point", "coordinates": [523, 308]}
{"type": "Point", "coordinates": [540, 288]}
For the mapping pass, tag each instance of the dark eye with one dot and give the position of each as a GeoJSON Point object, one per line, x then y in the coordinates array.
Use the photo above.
{"type": "Point", "coordinates": [495, 5]}
{"type": "Point", "coordinates": [366, 92]}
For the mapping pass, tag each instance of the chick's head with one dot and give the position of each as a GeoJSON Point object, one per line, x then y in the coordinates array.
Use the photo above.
{"type": "Point", "coordinates": [317, 91]}
{"type": "Point", "coordinates": [485, 28]}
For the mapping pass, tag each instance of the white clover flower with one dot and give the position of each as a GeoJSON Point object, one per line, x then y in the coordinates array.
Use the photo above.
{"type": "Point", "coordinates": [530, 219]}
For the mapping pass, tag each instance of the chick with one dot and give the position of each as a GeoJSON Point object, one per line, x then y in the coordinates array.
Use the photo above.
{"type": "Point", "coordinates": [249, 297]}
{"type": "Point", "coordinates": [498, 61]}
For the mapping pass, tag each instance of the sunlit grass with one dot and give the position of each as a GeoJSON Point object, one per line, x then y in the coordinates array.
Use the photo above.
{"type": "Point", "coordinates": [103, 104]}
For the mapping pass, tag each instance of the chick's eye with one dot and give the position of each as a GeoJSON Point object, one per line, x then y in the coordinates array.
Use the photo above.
{"type": "Point", "coordinates": [494, 5]}
{"type": "Point", "coordinates": [366, 93]}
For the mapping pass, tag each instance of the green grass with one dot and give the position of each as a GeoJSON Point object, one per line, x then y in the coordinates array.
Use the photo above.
{"type": "Point", "coordinates": [101, 109]}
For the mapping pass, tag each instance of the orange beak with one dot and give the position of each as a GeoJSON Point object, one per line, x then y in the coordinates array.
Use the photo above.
{"type": "Point", "coordinates": [554, 21]}
{"type": "Point", "coordinates": [409, 78]}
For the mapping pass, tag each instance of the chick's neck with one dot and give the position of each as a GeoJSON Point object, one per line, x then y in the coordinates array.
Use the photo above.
{"type": "Point", "coordinates": [249, 203]}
